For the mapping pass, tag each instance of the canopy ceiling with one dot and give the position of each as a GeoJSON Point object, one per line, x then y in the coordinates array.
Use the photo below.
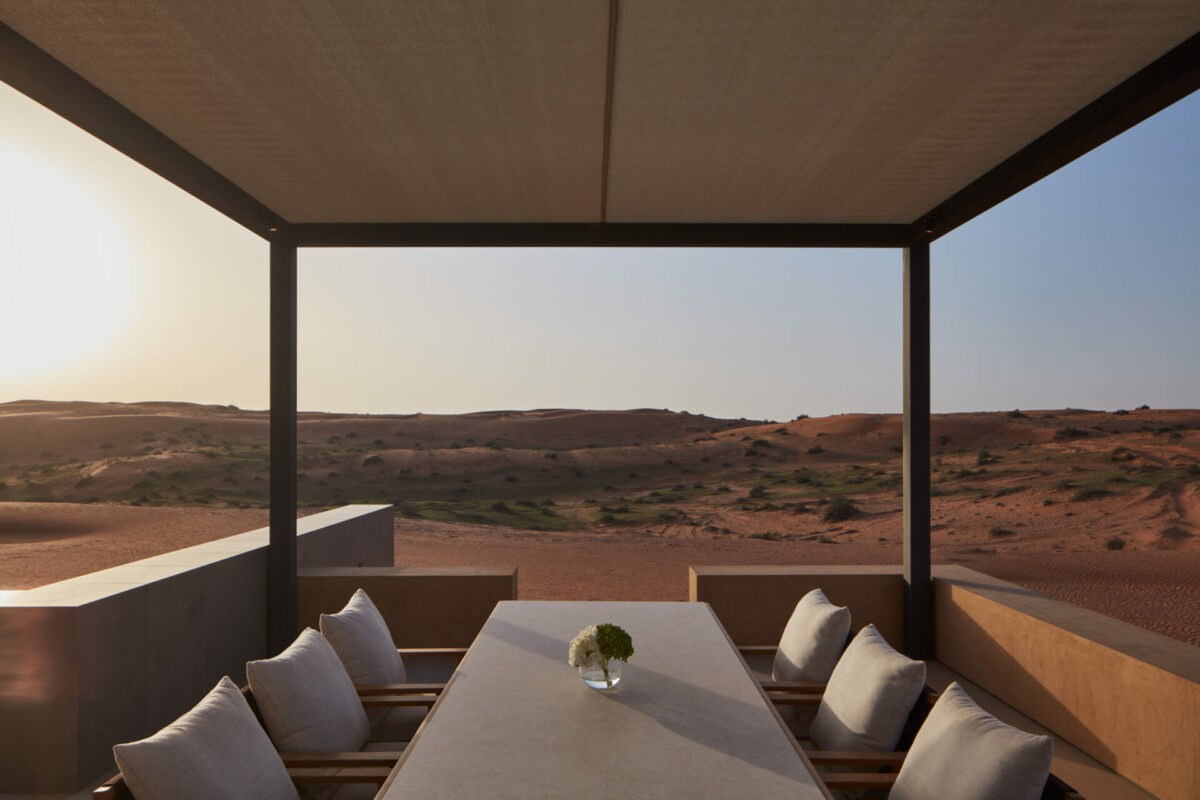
{"type": "Point", "coordinates": [545, 111]}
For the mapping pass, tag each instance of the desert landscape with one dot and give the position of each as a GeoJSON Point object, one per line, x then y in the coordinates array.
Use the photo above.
{"type": "Point", "coordinates": [1099, 508]}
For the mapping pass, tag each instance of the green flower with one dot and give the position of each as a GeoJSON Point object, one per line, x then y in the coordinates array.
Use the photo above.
{"type": "Point", "coordinates": [613, 642]}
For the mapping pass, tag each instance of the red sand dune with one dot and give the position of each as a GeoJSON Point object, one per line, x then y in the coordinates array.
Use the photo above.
{"type": "Point", "coordinates": [626, 500]}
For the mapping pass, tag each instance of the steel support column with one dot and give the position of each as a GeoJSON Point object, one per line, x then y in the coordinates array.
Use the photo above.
{"type": "Point", "coordinates": [918, 587]}
{"type": "Point", "coordinates": [281, 555]}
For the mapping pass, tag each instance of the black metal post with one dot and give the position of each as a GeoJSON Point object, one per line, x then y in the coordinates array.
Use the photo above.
{"type": "Point", "coordinates": [281, 555]}
{"type": "Point", "coordinates": [918, 586]}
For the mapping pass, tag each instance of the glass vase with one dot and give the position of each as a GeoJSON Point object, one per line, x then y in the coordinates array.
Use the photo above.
{"type": "Point", "coordinates": [603, 676]}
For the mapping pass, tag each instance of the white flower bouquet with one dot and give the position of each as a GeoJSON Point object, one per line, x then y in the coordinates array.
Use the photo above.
{"type": "Point", "coordinates": [595, 648]}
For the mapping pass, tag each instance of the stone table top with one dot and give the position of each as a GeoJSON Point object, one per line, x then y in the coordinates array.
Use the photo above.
{"type": "Point", "coordinates": [686, 721]}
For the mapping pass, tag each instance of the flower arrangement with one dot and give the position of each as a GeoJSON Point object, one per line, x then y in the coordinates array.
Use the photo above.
{"type": "Point", "coordinates": [596, 645]}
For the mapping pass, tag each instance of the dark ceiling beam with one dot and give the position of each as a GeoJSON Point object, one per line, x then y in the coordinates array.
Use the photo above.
{"type": "Point", "coordinates": [586, 234]}
{"type": "Point", "coordinates": [46, 80]}
{"type": "Point", "coordinates": [1168, 79]}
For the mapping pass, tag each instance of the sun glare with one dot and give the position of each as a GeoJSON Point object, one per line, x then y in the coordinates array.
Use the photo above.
{"type": "Point", "coordinates": [67, 278]}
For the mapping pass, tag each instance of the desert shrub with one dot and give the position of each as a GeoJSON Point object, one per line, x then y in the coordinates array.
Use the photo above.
{"type": "Point", "coordinates": [722, 489]}
{"type": "Point", "coordinates": [369, 460]}
{"type": "Point", "coordinates": [552, 456]}
{"type": "Point", "coordinates": [1070, 433]}
{"type": "Point", "coordinates": [1114, 543]}
{"type": "Point", "coordinates": [1143, 407]}
{"type": "Point", "coordinates": [840, 508]}
{"type": "Point", "coordinates": [751, 453]}
{"type": "Point", "coordinates": [760, 443]}
{"type": "Point", "coordinates": [1004, 491]}
{"type": "Point", "coordinates": [351, 435]}
{"type": "Point", "coordinates": [511, 478]}
{"type": "Point", "coordinates": [501, 506]}
{"type": "Point", "coordinates": [801, 416]}
{"type": "Point", "coordinates": [815, 449]}
{"type": "Point", "coordinates": [984, 457]}
{"type": "Point", "coordinates": [770, 536]}
{"type": "Point", "coordinates": [758, 491]}
{"type": "Point", "coordinates": [1001, 532]}
{"type": "Point", "coordinates": [1015, 414]}
{"type": "Point", "coordinates": [1083, 495]}
{"type": "Point", "coordinates": [1193, 469]}
{"type": "Point", "coordinates": [943, 440]}
{"type": "Point", "coordinates": [783, 432]}
{"type": "Point", "coordinates": [1121, 411]}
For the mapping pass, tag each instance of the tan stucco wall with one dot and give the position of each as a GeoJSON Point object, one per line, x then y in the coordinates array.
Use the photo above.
{"type": "Point", "coordinates": [754, 602]}
{"type": "Point", "coordinates": [1127, 697]}
{"type": "Point", "coordinates": [115, 655]}
{"type": "Point", "coordinates": [423, 606]}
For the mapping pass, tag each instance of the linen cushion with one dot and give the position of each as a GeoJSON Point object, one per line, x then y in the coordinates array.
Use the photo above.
{"type": "Point", "coordinates": [964, 752]}
{"type": "Point", "coordinates": [217, 749]}
{"type": "Point", "coordinates": [869, 696]}
{"type": "Point", "coordinates": [307, 700]}
{"type": "Point", "coordinates": [812, 641]}
{"type": "Point", "coordinates": [363, 642]}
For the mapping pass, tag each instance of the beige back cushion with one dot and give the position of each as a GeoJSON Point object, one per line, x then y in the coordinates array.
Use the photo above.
{"type": "Point", "coordinates": [307, 700]}
{"type": "Point", "coordinates": [217, 749]}
{"type": "Point", "coordinates": [812, 641]}
{"type": "Point", "coordinates": [869, 696]}
{"type": "Point", "coordinates": [964, 752]}
{"type": "Point", "coordinates": [360, 637]}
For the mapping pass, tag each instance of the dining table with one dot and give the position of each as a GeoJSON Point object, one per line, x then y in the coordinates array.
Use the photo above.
{"type": "Point", "coordinates": [686, 720]}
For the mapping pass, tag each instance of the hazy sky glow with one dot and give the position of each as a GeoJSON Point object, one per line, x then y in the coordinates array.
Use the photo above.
{"type": "Point", "coordinates": [1081, 291]}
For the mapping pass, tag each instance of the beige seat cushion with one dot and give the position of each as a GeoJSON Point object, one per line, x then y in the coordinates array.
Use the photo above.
{"type": "Point", "coordinates": [397, 724]}
{"type": "Point", "coordinates": [307, 700]}
{"type": "Point", "coordinates": [812, 641]}
{"type": "Point", "coordinates": [869, 696]}
{"type": "Point", "coordinates": [363, 642]}
{"type": "Point", "coordinates": [217, 749]}
{"type": "Point", "coordinates": [964, 752]}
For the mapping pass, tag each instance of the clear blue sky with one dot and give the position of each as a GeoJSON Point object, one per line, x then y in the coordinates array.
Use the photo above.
{"type": "Point", "coordinates": [1083, 291]}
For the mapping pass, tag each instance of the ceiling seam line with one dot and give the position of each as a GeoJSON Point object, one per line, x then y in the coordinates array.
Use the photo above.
{"type": "Point", "coordinates": [610, 69]}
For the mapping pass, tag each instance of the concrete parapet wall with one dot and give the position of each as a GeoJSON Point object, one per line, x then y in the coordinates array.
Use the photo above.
{"type": "Point", "coordinates": [115, 655]}
{"type": "Point", "coordinates": [1126, 696]}
{"type": "Point", "coordinates": [754, 603]}
{"type": "Point", "coordinates": [423, 606]}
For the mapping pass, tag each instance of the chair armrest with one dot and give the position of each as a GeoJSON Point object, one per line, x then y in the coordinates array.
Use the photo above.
{"type": "Point", "coordinates": [858, 780]}
{"type": "Point", "coordinates": [808, 687]}
{"type": "Point", "coordinates": [456, 652]}
{"type": "Point", "coordinates": [398, 700]}
{"type": "Point", "coordinates": [377, 758]}
{"type": "Point", "coordinates": [864, 758]}
{"type": "Point", "coordinates": [114, 788]}
{"type": "Point", "coordinates": [375, 775]}
{"type": "Point", "coordinates": [794, 699]}
{"type": "Point", "coordinates": [757, 650]}
{"type": "Point", "coordinates": [401, 688]}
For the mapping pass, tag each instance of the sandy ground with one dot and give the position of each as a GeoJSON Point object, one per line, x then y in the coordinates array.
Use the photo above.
{"type": "Point", "coordinates": [45, 542]}
{"type": "Point", "coordinates": [1156, 589]}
